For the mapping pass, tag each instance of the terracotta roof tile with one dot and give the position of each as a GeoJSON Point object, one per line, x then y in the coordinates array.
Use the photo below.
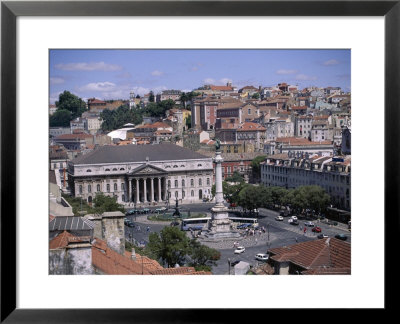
{"type": "Point", "coordinates": [325, 253]}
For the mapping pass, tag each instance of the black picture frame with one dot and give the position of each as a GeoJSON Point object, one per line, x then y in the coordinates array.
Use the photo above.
{"type": "Point", "coordinates": [10, 10]}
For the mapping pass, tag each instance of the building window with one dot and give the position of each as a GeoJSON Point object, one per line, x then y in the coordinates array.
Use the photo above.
{"type": "Point", "coordinates": [208, 181]}
{"type": "Point", "coordinates": [192, 182]}
{"type": "Point", "coordinates": [192, 193]}
{"type": "Point", "coordinates": [176, 183]}
{"type": "Point", "coordinates": [80, 189]}
{"type": "Point", "coordinates": [88, 170]}
{"type": "Point", "coordinates": [115, 187]}
{"type": "Point", "coordinates": [89, 188]}
{"type": "Point", "coordinates": [183, 194]}
{"type": "Point", "coordinates": [98, 187]}
{"type": "Point", "coordinates": [176, 194]}
{"type": "Point", "coordinates": [249, 111]}
{"type": "Point", "coordinates": [108, 187]}
{"type": "Point", "coordinates": [169, 183]}
{"type": "Point", "coordinates": [200, 182]}
{"type": "Point", "coordinates": [123, 197]}
{"type": "Point", "coordinates": [122, 186]}
{"type": "Point", "coordinates": [183, 182]}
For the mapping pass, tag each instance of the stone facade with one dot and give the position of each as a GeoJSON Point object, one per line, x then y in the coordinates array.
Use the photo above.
{"type": "Point", "coordinates": [145, 182]}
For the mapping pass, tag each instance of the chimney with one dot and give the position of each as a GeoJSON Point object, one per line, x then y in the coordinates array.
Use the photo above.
{"type": "Point", "coordinates": [133, 255]}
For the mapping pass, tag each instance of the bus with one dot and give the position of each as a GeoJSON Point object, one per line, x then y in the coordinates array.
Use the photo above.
{"type": "Point", "coordinates": [195, 224]}
{"type": "Point", "coordinates": [243, 221]}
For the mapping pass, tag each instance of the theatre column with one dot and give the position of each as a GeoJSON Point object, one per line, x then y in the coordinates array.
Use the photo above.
{"type": "Point", "coordinates": [144, 190]}
{"type": "Point", "coordinates": [137, 191]}
{"type": "Point", "coordinates": [159, 189]}
{"type": "Point", "coordinates": [152, 189]}
{"type": "Point", "coordinates": [129, 191]}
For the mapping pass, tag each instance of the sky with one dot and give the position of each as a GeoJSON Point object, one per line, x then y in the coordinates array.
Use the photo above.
{"type": "Point", "coordinates": [112, 74]}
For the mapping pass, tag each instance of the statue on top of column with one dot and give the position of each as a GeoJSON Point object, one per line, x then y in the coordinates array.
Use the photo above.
{"type": "Point", "coordinates": [217, 144]}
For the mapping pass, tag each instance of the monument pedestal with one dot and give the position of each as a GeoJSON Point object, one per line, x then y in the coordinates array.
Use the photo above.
{"type": "Point", "coordinates": [220, 225]}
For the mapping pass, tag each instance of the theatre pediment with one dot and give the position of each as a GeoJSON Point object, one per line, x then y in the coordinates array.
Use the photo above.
{"type": "Point", "coordinates": [147, 169]}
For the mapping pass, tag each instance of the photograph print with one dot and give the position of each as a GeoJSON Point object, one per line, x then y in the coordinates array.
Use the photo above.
{"type": "Point", "coordinates": [199, 162]}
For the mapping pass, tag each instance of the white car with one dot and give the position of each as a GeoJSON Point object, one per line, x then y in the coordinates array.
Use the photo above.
{"type": "Point", "coordinates": [262, 257]}
{"type": "Point", "coordinates": [294, 218]}
{"type": "Point", "coordinates": [279, 218]}
{"type": "Point", "coordinates": [239, 249]}
{"type": "Point", "coordinates": [310, 224]}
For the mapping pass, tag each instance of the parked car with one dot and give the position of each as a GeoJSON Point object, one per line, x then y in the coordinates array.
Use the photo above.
{"type": "Point", "coordinates": [294, 217]}
{"type": "Point", "coordinates": [145, 210]}
{"type": "Point", "coordinates": [130, 212]}
{"type": "Point", "coordinates": [341, 237]}
{"type": "Point", "coordinates": [239, 249]}
{"type": "Point", "coordinates": [279, 218]}
{"type": "Point", "coordinates": [292, 221]}
{"type": "Point", "coordinates": [161, 209]}
{"type": "Point", "coordinates": [317, 229]}
{"type": "Point", "coordinates": [309, 224]}
{"type": "Point", "coordinates": [262, 257]}
{"type": "Point", "coordinates": [242, 226]}
{"type": "Point", "coordinates": [321, 236]}
{"type": "Point", "coordinates": [233, 263]}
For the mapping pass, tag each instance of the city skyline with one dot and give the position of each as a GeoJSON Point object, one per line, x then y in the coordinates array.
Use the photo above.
{"type": "Point", "coordinates": [112, 74]}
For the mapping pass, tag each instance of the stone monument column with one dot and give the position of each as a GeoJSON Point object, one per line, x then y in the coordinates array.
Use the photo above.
{"type": "Point", "coordinates": [220, 225]}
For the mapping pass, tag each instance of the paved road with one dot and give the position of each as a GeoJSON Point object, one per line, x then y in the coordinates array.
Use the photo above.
{"type": "Point", "coordinates": [278, 233]}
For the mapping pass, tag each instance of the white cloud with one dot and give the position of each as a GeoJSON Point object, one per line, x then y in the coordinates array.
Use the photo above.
{"type": "Point", "coordinates": [212, 81]}
{"type": "Point", "coordinates": [305, 77]}
{"type": "Point", "coordinates": [54, 97]}
{"type": "Point", "coordinates": [99, 86]}
{"type": "Point", "coordinates": [285, 72]}
{"type": "Point", "coordinates": [94, 66]}
{"type": "Point", "coordinates": [56, 81]}
{"type": "Point", "coordinates": [331, 62]}
{"type": "Point", "coordinates": [157, 73]}
{"type": "Point", "coordinates": [209, 81]}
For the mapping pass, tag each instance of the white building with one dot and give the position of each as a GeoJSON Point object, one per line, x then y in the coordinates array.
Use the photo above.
{"type": "Point", "coordinates": [294, 170]}
{"type": "Point", "coordinates": [142, 174]}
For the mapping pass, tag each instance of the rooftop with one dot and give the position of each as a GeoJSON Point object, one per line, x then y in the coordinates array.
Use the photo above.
{"type": "Point", "coordinates": [135, 153]}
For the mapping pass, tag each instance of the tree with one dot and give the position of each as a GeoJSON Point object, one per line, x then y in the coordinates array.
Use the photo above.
{"type": "Point", "coordinates": [114, 119]}
{"type": "Point", "coordinates": [71, 102]}
{"type": "Point", "coordinates": [61, 118]}
{"type": "Point", "coordinates": [151, 97]}
{"type": "Point", "coordinates": [251, 197]}
{"type": "Point", "coordinates": [171, 245]}
{"type": "Point", "coordinates": [202, 256]}
{"type": "Point", "coordinates": [235, 177]}
{"type": "Point", "coordinates": [308, 197]}
{"type": "Point", "coordinates": [255, 166]}
{"type": "Point", "coordinates": [103, 203]}
{"type": "Point", "coordinates": [255, 95]}
{"type": "Point", "coordinates": [188, 122]}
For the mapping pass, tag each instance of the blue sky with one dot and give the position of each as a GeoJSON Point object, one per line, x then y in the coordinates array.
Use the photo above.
{"type": "Point", "coordinates": [112, 74]}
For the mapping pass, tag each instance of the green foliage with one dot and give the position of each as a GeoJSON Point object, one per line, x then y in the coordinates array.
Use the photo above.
{"type": "Point", "coordinates": [114, 119]}
{"type": "Point", "coordinates": [60, 118]}
{"type": "Point", "coordinates": [202, 256]}
{"type": "Point", "coordinates": [103, 203]}
{"type": "Point", "coordinates": [255, 166]}
{"type": "Point", "coordinates": [235, 177]}
{"type": "Point", "coordinates": [255, 95]}
{"type": "Point", "coordinates": [309, 197]}
{"type": "Point", "coordinates": [251, 197]}
{"type": "Point", "coordinates": [188, 122]}
{"type": "Point", "coordinates": [158, 109]}
{"type": "Point", "coordinates": [151, 97]}
{"type": "Point", "coordinates": [171, 245]}
{"type": "Point", "coordinates": [72, 103]}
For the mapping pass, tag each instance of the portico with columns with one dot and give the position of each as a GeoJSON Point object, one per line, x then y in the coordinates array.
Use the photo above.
{"type": "Point", "coordinates": [147, 184]}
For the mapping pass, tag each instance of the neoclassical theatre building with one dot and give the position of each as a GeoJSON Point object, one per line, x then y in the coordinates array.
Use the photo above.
{"type": "Point", "coordinates": [142, 174]}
